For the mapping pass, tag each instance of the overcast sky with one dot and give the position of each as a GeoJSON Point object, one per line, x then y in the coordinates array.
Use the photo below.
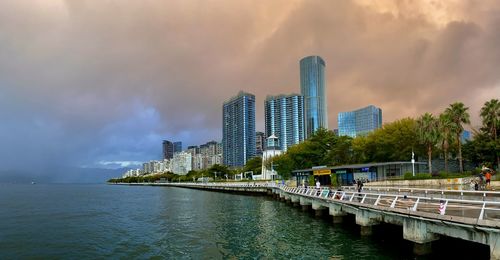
{"type": "Point", "coordinates": [101, 83]}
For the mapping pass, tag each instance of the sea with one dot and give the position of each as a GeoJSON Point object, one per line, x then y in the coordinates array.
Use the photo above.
{"type": "Point", "coordinates": [101, 221]}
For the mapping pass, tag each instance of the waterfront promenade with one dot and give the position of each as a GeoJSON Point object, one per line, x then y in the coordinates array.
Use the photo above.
{"type": "Point", "coordinates": [425, 214]}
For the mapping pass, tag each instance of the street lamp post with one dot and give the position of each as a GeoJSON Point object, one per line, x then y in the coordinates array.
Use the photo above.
{"type": "Point", "coordinates": [413, 162]}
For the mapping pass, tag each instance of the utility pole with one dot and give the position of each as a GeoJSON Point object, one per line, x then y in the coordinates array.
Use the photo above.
{"type": "Point", "coordinates": [413, 162]}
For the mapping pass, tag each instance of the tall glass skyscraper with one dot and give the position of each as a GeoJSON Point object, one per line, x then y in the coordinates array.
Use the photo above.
{"type": "Point", "coordinates": [285, 119]}
{"type": "Point", "coordinates": [360, 122]}
{"type": "Point", "coordinates": [177, 147]}
{"type": "Point", "coordinates": [168, 149]}
{"type": "Point", "coordinates": [313, 88]}
{"type": "Point", "coordinates": [238, 129]}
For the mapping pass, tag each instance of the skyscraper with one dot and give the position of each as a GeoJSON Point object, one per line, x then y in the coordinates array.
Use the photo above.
{"type": "Point", "coordinates": [313, 88]}
{"type": "Point", "coordinates": [360, 122]}
{"type": "Point", "coordinates": [284, 117]}
{"type": "Point", "coordinates": [177, 147]}
{"type": "Point", "coordinates": [168, 149]}
{"type": "Point", "coordinates": [238, 129]}
{"type": "Point", "coordinates": [260, 143]}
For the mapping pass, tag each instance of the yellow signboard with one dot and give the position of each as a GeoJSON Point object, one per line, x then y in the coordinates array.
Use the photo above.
{"type": "Point", "coordinates": [322, 172]}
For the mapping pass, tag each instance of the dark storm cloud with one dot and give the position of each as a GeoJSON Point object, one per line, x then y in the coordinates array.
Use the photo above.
{"type": "Point", "coordinates": [89, 82]}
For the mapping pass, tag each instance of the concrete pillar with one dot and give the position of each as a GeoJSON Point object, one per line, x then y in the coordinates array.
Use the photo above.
{"type": "Point", "coordinates": [366, 220]}
{"type": "Point", "coordinates": [494, 241]}
{"type": "Point", "coordinates": [295, 200]}
{"type": "Point", "coordinates": [417, 231]}
{"type": "Point", "coordinates": [366, 230]}
{"type": "Point", "coordinates": [336, 210]}
{"type": "Point", "coordinates": [338, 219]}
{"type": "Point", "coordinates": [337, 213]}
{"type": "Point", "coordinates": [422, 248]}
{"type": "Point", "coordinates": [318, 208]}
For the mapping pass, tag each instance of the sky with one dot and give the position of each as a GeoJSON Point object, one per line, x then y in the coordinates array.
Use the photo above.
{"type": "Point", "coordinates": [101, 83]}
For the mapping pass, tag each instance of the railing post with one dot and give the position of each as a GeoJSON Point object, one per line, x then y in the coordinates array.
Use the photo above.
{"type": "Point", "coordinates": [334, 194]}
{"type": "Point", "coordinates": [481, 216]}
{"type": "Point", "coordinates": [393, 204]}
{"type": "Point", "coordinates": [378, 199]}
{"type": "Point", "coordinates": [363, 200]}
{"type": "Point", "coordinates": [414, 208]}
{"type": "Point", "coordinates": [443, 211]}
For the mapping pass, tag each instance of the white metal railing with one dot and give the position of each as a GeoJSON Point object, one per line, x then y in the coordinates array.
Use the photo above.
{"type": "Point", "coordinates": [476, 209]}
{"type": "Point", "coordinates": [426, 192]}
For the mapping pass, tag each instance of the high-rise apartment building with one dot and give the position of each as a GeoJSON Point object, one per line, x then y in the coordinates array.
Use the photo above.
{"type": "Point", "coordinates": [181, 163]}
{"type": "Point", "coordinates": [260, 143]}
{"type": "Point", "coordinates": [238, 129]}
{"type": "Point", "coordinates": [360, 121]}
{"type": "Point", "coordinates": [168, 149]}
{"type": "Point", "coordinates": [177, 147]}
{"type": "Point", "coordinates": [284, 117]}
{"type": "Point", "coordinates": [313, 89]}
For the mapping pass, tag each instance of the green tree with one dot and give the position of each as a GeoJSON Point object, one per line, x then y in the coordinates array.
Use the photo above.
{"type": "Point", "coordinates": [341, 151]}
{"type": "Point", "coordinates": [359, 145]}
{"type": "Point", "coordinates": [284, 165]}
{"type": "Point", "coordinates": [220, 170]}
{"type": "Point", "coordinates": [393, 142]}
{"type": "Point", "coordinates": [427, 129]}
{"type": "Point", "coordinates": [458, 115]}
{"type": "Point", "coordinates": [445, 129]}
{"type": "Point", "coordinates": [490, 115]}
{"type": "Point", "coordinates": [254, 165]}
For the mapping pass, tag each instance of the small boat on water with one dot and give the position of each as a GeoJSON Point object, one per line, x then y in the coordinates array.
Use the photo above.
{"type": "Point", "coordinates": [33, 182]}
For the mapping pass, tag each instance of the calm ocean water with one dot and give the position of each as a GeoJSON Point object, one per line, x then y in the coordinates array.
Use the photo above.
{"type": "Point", "coordinates": [107, 221]}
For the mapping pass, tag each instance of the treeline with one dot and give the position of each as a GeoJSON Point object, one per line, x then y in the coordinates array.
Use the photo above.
{"type": "Point", "coordinates": [428, 137]}
{"type": "Point", "coordinates": [216, 172]}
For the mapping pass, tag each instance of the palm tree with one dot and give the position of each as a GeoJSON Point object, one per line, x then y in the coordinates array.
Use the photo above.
{"type": "Point", "coordinates": [444, 135]}
{"type": "Point", "coordinates": [490, 114]}
{"type": "Point", "coordinates": [458, 115]}
{"type": "Point", "coordinates": [428, 134]}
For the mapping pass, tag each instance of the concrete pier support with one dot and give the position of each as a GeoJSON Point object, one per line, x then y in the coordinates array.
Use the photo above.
{"type": "Point", "coordinates": [417, 231]}
{"type": "Point", "coordinates": [305, 203]}
{"type": "Point", "coordinates": [338, 219]}
{"type": "Point", "coordinates": [295, 200]}
{"type": "Point", "coordinates": [494, 241]}
{"type": "Point", "coordinates": [318, 209]}
{"type": "Point", "coordinates": [366, 220]}
{"type": "Point", "coordinates": [366, 230]}
{"type": "Point", "coordinates": [337, 213]}
{"type": "Point", "coordinates": [319, 212]}
{"type": "Point", "coordinates": [422, 249]}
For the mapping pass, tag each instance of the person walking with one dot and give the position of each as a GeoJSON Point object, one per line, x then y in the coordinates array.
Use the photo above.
{"type": "Point", "coordinates": [487, 175]}
{"type": "Point", "coordinates": [360, 185]}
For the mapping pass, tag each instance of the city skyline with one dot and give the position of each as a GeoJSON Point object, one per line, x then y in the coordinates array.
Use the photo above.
{"type": "Point", "coordinates": [101, 84]}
